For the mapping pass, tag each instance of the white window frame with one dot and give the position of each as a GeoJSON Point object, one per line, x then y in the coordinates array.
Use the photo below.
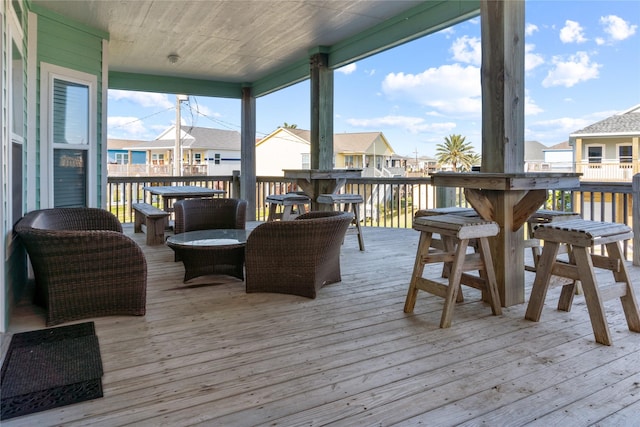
{"type": "Point", "coordinates": [588, 158]}
{"type": "Point", "coordinates": [157, 159]}
{"type": "Point", "coordinates": [49, 72]}
{"type": "Point", "coordinates": [122, 158]}
{"type": "Point", "coordinates": [625, 144]}
{"type": "Point", "coordinates": [305, 161]}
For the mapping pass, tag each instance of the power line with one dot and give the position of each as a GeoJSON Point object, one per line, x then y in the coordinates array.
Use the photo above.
{"type": "Point", "coordinates": [143, 118]}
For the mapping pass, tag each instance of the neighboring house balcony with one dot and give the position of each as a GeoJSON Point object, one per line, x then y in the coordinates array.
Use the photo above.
{"type": "Point", "coordinates": [153, 170]}
{"type": "Point", "coordinates": [604, 170]}
{"type": "Point", "coordinates": [607, 170]}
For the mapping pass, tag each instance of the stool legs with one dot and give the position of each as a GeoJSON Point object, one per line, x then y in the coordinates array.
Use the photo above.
{"type": "Point", "coordinates": [541, 282]}
{"type": "Point", "coordinates": [418, 268]}
{"type": "Point", "coordinates": [583, 268]}
{"type": "Point", "coordinates": [628, 299]}
{"type": "Point", "coordinates": [356, 212]}
{"type": "Point", "coordinates": [456, 262]}
{"type": "Point", "coordinates": [287, 212]}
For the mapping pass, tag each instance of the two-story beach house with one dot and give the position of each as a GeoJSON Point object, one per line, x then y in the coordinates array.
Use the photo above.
{"type": "Point", "coordinates": [204, 151]}
{"type": "Point", "coordinates": [287, 148]}
{"type": "Point", "coordinates": [608, 150]}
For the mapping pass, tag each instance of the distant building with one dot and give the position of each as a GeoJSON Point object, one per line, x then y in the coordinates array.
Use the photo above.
{"type": "Point", "coordinates": [609, 149]}
{"type": "Point", "coordinates": [539, 157]}
{"type": "Point", "coordinates": [205, 151]}
{"type": "Point", "coordinates": [287, 148]}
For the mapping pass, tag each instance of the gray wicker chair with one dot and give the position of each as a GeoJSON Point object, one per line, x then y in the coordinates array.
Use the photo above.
{"type": "Point", "coordinates": [206, 214]}
{"type": "Point", "coordinates": [83, 265]}
{"type": "Point", "coordinates": [296, 257]}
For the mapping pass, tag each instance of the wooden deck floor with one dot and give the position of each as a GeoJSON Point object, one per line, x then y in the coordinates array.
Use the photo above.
{"type": "Point", "coordinates": [216, 356]}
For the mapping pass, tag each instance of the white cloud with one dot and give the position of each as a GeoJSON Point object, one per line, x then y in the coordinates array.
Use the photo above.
{"type": "Point", "coordinates": [450, 89]}
{"type": "Point", "coordinates": [413, 125]}
{"type": "Point", "coordinates": [572, 32]}
{"type": "Point", "coordinates": [130, 127]}
{"type": "Point", "coordinates": [144, 99]}
{"type": "Point", "coordinates": [530, 106]}
{"type": "Point", "coordinates": [468, 50]}
{"type": "Point", "coordinates": [531, 60]}
{"type": "Point", "coordinates": [617, 28]}
{"type": "Point", "coordinates": [347, 69]}
{"type": "Point", "coordinates": [577, 68]}
{"type": "Point", "coordinates": [448, 32]}
{"type": "Point", "coordinates": [529, 29]}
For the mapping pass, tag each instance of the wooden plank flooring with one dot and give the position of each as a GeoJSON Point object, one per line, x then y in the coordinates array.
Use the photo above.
{"type": "Point", "coordinates": [213, 355]}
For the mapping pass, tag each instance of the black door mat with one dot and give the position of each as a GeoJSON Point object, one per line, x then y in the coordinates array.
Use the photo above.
{"type": "Point", "coordinates": [50, 368]}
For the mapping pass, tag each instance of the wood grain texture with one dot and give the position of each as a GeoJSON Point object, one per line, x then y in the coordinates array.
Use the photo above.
{"type": "Point", "coordinates": [214, 355]}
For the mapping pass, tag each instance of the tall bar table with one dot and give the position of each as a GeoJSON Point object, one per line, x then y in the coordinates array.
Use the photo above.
{"type": "Point", "coordinates": [181, 192]}
{"type": "Point", "coordinates": [508, 199]}
{"type": "Point", "coordinates": [321, 181]}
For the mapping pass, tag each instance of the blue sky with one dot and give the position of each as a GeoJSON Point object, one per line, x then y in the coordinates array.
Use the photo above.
{"type": "Point", "coordinates": [582, 65]}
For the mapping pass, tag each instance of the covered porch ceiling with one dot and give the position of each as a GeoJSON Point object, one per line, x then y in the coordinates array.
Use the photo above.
{"type": "Point", "coordinates": [224, 45]}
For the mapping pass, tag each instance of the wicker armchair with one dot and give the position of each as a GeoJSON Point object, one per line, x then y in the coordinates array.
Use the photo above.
{"type": "Point", "coordinates": [208, 214]}
{"type": "Point", "coordinates": [296, 257]}
{"type": "Point", "coordinates": [83, 265]}
{"type": "Point", "coordinates": [205, 214]}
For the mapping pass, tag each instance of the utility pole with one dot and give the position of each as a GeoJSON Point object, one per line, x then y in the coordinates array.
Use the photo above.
{"type": "Point", "coordinates": [177, 149]}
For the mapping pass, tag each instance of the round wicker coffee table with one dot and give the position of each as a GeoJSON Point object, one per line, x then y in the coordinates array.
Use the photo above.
{"type": "Point", "coordinates": [209, 252]}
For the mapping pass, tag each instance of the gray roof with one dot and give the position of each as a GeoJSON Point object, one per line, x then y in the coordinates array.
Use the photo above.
{"type": "Point", "coordinates": [212, 138]}
{"type": "Point", "coordinates": [625, 123]}
{"type": "Point", "coordinates": [201, 138]}
{"type": "Point", "coordinates": [533, 150]}
{"type": "Point", "coordinates": [125, 144]}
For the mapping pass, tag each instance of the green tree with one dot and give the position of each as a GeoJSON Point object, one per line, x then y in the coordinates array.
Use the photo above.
{"type": "Point", "coordinates": [289, 126]}
{"type": "Point", "coordinates": [456, 152]}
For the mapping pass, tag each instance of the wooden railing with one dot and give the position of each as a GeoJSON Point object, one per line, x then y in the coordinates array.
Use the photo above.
{"type": "Point", "coordinates": [392, 202]}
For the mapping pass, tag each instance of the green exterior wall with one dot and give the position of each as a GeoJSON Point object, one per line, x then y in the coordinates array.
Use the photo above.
{"type": "Point", "coordinates": [63, 43]}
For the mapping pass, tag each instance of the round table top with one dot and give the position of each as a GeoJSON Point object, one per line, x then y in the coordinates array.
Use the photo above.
{"type": "Point", "coordinates": [209, 238]}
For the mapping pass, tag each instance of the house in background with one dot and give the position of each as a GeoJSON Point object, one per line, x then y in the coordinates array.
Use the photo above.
{"type": "Point", "coordinates": [205, 151]}
{"type": "Point", "coordinates": [608, 150]}
{"type": "Point", "coordinates": [125, 158]}
{"type": "Point", "coordinates": [541, 158]}
{"type": "Point", "coordinates": [287, 148]}
{"type": "Point", "coordinates": [558, 158]}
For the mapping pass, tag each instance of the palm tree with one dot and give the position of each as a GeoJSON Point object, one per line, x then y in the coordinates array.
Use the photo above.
{"type": "Point", "coordinates": [289, 126]}
{"type": "Point", "coordinates": [456, 152]}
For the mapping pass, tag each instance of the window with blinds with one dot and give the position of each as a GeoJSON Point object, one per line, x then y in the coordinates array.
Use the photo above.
{"type": "Point", "coordinates": [70, 129]}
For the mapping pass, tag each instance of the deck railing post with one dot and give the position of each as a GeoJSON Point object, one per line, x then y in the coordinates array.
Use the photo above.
{"type": "Point", "coordinates": [235, 185]}
{"type": "Point", "coordinates": [635, 217]}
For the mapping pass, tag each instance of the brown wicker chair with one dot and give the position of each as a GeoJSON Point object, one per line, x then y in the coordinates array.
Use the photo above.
{"type": "Point", "coordinates": [206, 214]}
{"type": "Point", "coordinates": [83, 265]}
{"type": "Point", "coordinates": [296, 257]}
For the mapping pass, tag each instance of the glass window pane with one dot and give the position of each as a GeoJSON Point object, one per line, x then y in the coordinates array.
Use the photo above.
{"type": "Point", "coordinates": [70, 178]}
{"type": "Point", "coordinates": [70, 113]}
{"type": "Point", "coordinates": [594, 154]}
{"type": "Point", "coordinates": [625, 153]}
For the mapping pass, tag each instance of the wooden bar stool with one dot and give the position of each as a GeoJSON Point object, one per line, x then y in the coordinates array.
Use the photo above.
{"type": "Point", "coordinates": [581, 236]}
{"type": "Point", "coordinates": [293, 205]}
{"type": "Point", "coordinates": [350, 202]}
{"type": "Point", "coordinates": [456, 232]}
{"type": "Point", "coordinates": [436, 241]}
{"type": "Point", "coordinates": [544, 216]}
{"type": "Point", "coordinates": [452, 210]}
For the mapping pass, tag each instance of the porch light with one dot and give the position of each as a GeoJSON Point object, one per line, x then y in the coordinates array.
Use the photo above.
{"type": "Point", "coordinates": [173, 58]}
